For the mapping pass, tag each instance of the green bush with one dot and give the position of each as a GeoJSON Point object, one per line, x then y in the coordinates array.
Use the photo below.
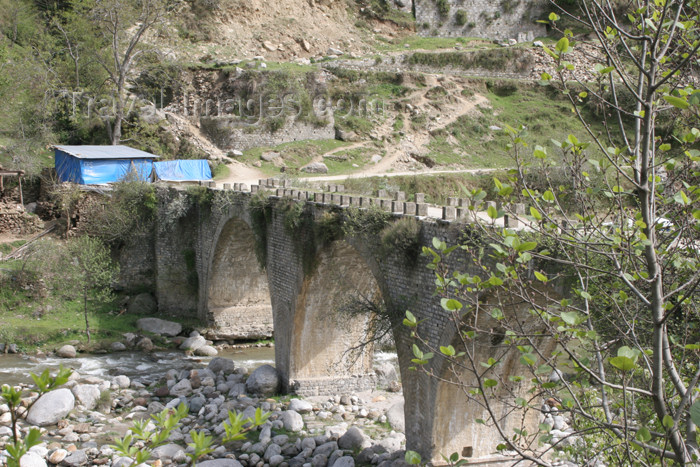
{"type": "Point", "coordinates": [461, 17]}
{"type": "Point", "coordinates": [402, 238]}
{"type": "Point", "coordinates": [443, 7]}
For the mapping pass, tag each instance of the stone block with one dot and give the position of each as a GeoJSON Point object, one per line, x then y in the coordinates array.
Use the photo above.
{"type": "Point", "coordinates": [227, 186]}
{"type": "Point", "coordinates": [409, 208]}
{"type": "Point", "coordinates": [400, 196]}
{"type": "Point", "coordinates": [318, 197]}
{"type": "Point", "coordinates": [488, 204]}
{"type": "Point", "coordinates": [449, 213]}
{"type": "Point", "coordinates": [385, 204]}
{"type": "Point", "coordinates": [397, 206]}
{"type": "Point", "coordinates": [421, 209]}
{"type": "Point", "coordinates": [335, 199]}
{"type": "Point", "coordinates": [382, 194]}
{"type": "Point", "coordinates": [262, 182]}
{"type": "Point", "coordinates": [340, 188]}
{"type": "Point", "coordinates": [279, 192]}
{"type": "Point", "coordinates": [420, 198]}
{"type": "Point", "coordinates": [452, 202]}
{"type": "Point", "coordinates": [344, 200]}
{"type": "Point", "coordinates": [254, 188]}
{"type": "Point", "coordinates": [355, 201]}
{"type": "Point", "coordinates": [237, 187]}
{"type": "Point", "coordinates": [243, 187]}
{"type": "Point", "coordinates": [365, 202]}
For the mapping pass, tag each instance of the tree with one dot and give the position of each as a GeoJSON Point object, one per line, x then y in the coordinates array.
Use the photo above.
{"type": "Point", "coordinates": [90, 272]}
{"type": "Point", "coordinates": [598, 295]}
{"type": "Point", "coordinates": [123, 25]}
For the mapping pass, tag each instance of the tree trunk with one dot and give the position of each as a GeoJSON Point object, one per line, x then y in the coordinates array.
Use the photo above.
{"type": "Point", "coordinates": [87, 323]}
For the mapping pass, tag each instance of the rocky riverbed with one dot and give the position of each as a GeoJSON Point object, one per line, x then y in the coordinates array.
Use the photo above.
{"type": "Point", "coordinates": [80, 420]}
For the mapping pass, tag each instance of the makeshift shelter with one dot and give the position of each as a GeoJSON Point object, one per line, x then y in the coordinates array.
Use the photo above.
{"type": "Point", "coordinates": [90, 165]}
{"type": "Point", "coordinates": [188, 170]}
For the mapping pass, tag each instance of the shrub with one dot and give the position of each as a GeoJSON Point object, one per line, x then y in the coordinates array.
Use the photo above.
{"type": "Point", "coordinates": [403, 238]}
{"type": "Point", "coordinates": [461, 18]}
{"type": "Point", "coordinates": [443, 7]}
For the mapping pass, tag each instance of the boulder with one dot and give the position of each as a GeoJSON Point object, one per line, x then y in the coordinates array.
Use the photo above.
{"type": "Point", "coordinates": [376, 158]}
{"type": "Point", "coordinates": [169, 451]}
{"type": "Point", "coordinates": [345, 461]}
{"type": "Point", "coordinates": [57, 456]}
{"type": "Point", "coordinates": [354, 439]}
{"type": "Point", "coordinates": [386, 374]}
{"type": "Point", "coordinates": [220, 463]}
{"type": "Point", "coordinates": [206, 351]}
{"type": "Point", "coordinates": [32, 459]}
{"type": "Point", "coordinates": [51, 407]}
{"type": "Point", "coordinates": [117, 347]}
{"type": "Point", "coordinates": [315, 168]}
{"type": "Point", "coordinates": [76, 458]}
{"type": "Point", "coordinates": [143, 303]}
{"type": "Point", "coordinates": [395, 417]}
{"type": "Point", "coordinates": [145, 344]}
{"type": "Point", "coordinates": [265, 380]}
{"type": "Point", "coordinates": [292, 421]}
{"type": "Point", "coordinates": [193, 343]}
{"type": "Point", "coordinates": [300, 405]}
{"type": "Point", "coordinates": [87, 395]}
{"type": "Point", "coordinates": [121, 381]}
{"type": "Point", "coordinates": [346, 135]}
{"type": "Point", "coordinates": [67, 351]}
{"type": "Point", "coordinates": [181, 389]}
{"type": "Point", "coordinates": [270, 156]}
{"type": "Point", "coordinates": [159, 326]}
{"type": "Point", "coordinates": [221, 364]}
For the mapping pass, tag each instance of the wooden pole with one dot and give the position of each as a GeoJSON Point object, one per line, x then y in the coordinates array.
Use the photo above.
{"type": "Point", "coordinates": [21, 197]}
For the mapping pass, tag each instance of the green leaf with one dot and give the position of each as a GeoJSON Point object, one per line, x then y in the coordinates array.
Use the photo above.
{"type": "Point", "coordinates": [681, 198]}
{"type": "Point", "coordinates": [695, 412]}
{"type": "Point", "coordinates": [548, 196]}
{"type": "Point", "coordinates": [410, 320]}
{"type": "Point", "coordinates": [450, 304]}
{"type": "Point", "coordinates": [490, 383]}
{"type": "Point", "coordinates": [535, 213]}
{"type": "Point", "coordinates": [492, 212]}
{"type": "Point", "coordinates": [412, 458]}
{"type": "Point", "coordinates": [540, 277]}
{"type": "Point", "coordinates": [677, 102]}
{"type": "Point", "coordinates": [643, 435]}
{"type": "Point", "coordinates": [528, 359]}
{"type": "Point", "coordinates": [668, 421]}
{"type": "Point", "coordinates": [622, 363]}
{"type": "Point", "coordinates": [553, 17]}
{"type": "Point", "coordinates": [572, 318]}
{"type": "Point", "coordinates": [449, 350]}
{"type": "Point", "coordinates": [526, 246]}
{"type": "Point", "coordinates": [562, 45]}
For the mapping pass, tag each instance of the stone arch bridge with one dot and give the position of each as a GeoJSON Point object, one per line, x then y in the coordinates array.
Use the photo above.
{"type": "Point", "coordinates": [205, 255]}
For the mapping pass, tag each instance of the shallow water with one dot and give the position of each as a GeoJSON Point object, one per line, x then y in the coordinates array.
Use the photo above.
{"type": "Point", "coordinates": [144, 367]}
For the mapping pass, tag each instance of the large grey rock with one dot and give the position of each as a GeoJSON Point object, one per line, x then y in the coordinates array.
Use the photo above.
{"type": "Point", "coordinates": [32, 459]}
{"type": "Point", "coordinates": [220, 463]}
{"type": "Point", "coordinates": [169, 451]}
{"type": "Point", "coordinates": [395, 417]}
{"type": "Point", "coordinates": [183, 388]}
{"type": "Point", "coordinates": [87, 395]}
{"type": "Point", "coordinates": [292, 421]}
{"type": "Point", "coordinates": [326, 448]}
{"type": "Point", "coordinates": [76, 458]}
{"type": "Point", "coordinates": [270, 156]}
{"type": "Point", "coordinates": [345, 461]}
{"type": "Point", "coordinates": [265, 380]}
{"type": "Point", "coordinates": [354, 439]}
{"type": "Point", "coordinates": [159, 326]}
{"type": "Point", "coordinates": [51, 407]}
{"type": "Point", "coordinates": [300, 405]}
{"type": "Point", "coordinates": [117, 347]}
{"type": "Point", "coordinates": [121, 381]}
{"type": "Point", "coordinates": [143, 303]}
{"type": "Point", "coordinates": [386, 374]}
{"type": "Point", "coordinates": [221, 364]}
{"type": "Point", "coordinates": [67, 351]}
{"type": "Point", "coordinates": [316, 168]}
{"type": "Point", "coordinates": [193, 343]}
{"type": "Point", "coordinates": [145, 344]}
{"type": "Point", "coordinates": [206, 351]}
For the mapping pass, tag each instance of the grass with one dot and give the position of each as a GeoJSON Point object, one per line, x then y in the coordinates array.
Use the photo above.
{"type": "Point", "coordinates": [493, 59]}
{"type": "Point", "coordinates": [221, 171]}
{"type": "Point", "coordinates": [469, 141]}
{"type": "Point", "coordinates": [430, 43]}
{"type": "Point", "coordinates": [6, 248]}
{"type": "Point", "coordinates": [437, 188]}
{"type": "Point", "coordinates": [295, 154]}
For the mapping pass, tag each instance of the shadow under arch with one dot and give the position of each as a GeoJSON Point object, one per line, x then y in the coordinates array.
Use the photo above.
{"type": "Point", "coordinates": [324, 334]}
{"type": "Point", "coordinates": [238, 302]}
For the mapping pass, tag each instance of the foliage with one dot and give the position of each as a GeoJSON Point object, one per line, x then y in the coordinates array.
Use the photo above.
{"type": "Point", "coordinates": [402, 237]}
{"type": "Point", "coordinates": [604, 325]}
{"type": "Point", "coordinates": [443, 7]}
{"type": "Point", "coordinates": [13, 398]}
{"type": "Point", "coordinates": [489, 59]}
{"type": "Point", "coordinates": [260, 215]}
{"type": "Point", "coordinates": [138, 444]}
{"type": "Point", "coordinates": [130, 212]}
{"type": "Point", "coordinates": [461, 17]}
{"type": "Point", "coordinates": [91, 271]}
{"type": "Point", "coordinates": [370, 221]}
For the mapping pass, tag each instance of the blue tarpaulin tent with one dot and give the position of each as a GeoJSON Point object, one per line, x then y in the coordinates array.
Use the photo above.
{"type": "Point", "coordinates": [89, 165]}
{"type": "Point", "coordinates": [182, 170]}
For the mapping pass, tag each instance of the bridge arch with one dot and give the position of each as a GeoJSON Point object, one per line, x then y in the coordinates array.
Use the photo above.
{"type": "Point", "coordinates": [324, 357]}
{"type": "Point", "coordinates": [237, 295]}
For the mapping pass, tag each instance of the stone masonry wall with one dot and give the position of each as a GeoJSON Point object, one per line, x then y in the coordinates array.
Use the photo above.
{"type": "Point", "coordinates": [490, 19]}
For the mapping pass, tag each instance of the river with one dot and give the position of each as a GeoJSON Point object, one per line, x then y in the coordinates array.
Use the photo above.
{"type": "Point", "coordinates": [145, 367]}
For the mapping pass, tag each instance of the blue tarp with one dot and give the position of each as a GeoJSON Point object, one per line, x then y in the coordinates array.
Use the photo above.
{"type": "Point", "coordinates": [85, 170]}
{"type": "Point", "coordinates": [182, 170]}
